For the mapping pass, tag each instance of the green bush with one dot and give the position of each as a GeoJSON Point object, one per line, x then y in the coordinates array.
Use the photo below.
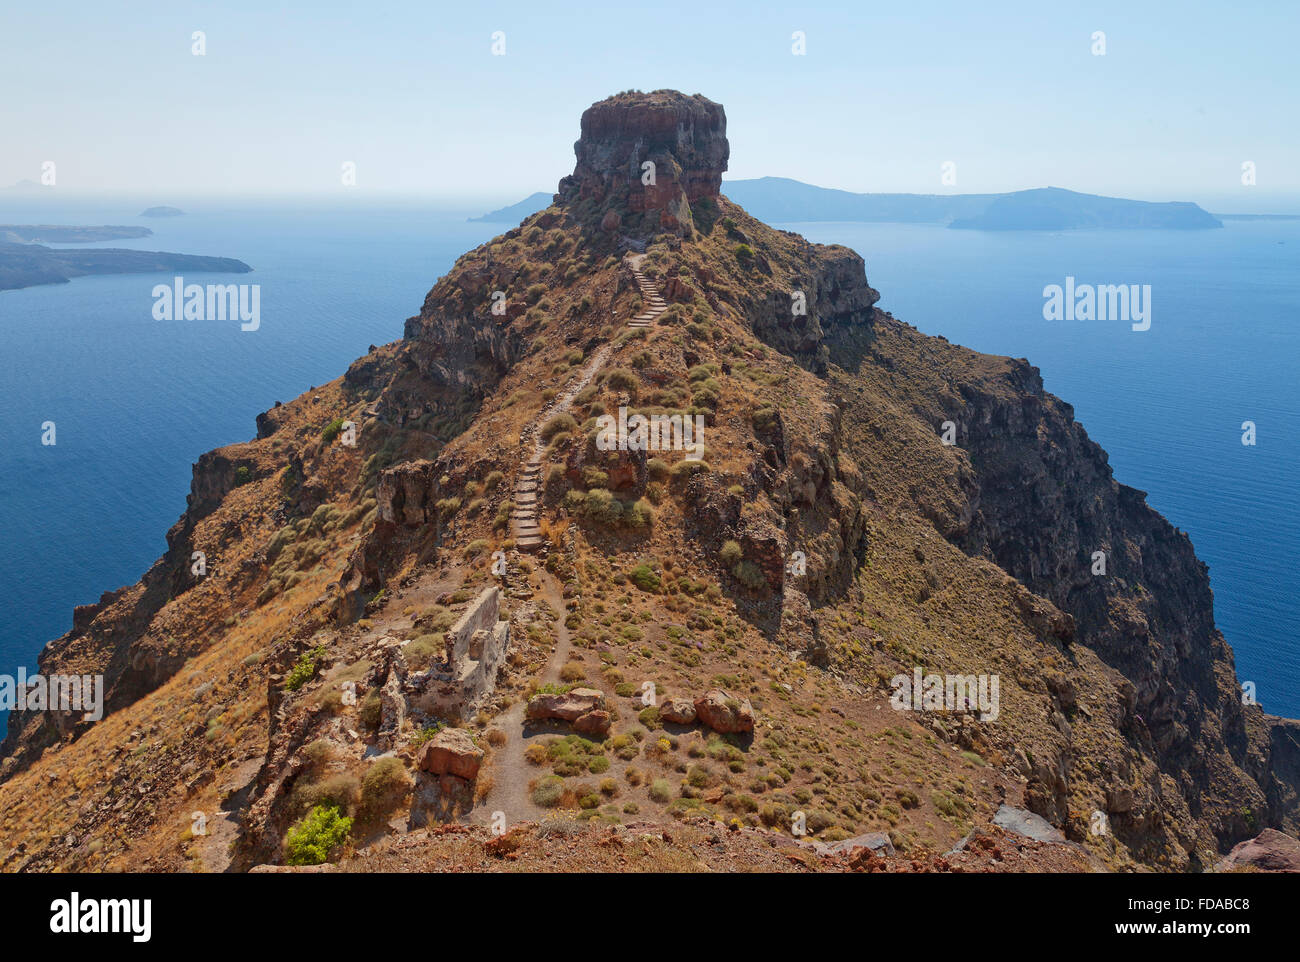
{"type": "Point", "coordinates": [621, 379]}
{"type": "Point", "coordinates": [304, 669]}
{"type": "Point", "coordinates": [383, 787]}
{"type": "Point", "coordinates": [424, 650]}
{"type": "Point", "coordinates": [548, 792]}
{"type": "Point", "coordinates": [312, 840]}
{"type": "Point", "coordinates": [644, 577]}
{"type": "Point", "coordinates": [243, 474]}
{"type": "Point", "coordinates": [331, 430]}
{"type": "Point", "coordinates": [557, 423]}
{"type": "Point", "coordinates": [749, 574]}
{"type": "Point", "coordinates": [639, 514]}
{"type": "Point", "coordinates": [602, 507]}
{"type": "Point", "coordinates": [730, 553]}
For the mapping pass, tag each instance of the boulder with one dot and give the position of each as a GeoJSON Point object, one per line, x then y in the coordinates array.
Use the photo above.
{"type": "Point", "coordinates": [451, 752]}
{"type": "Point", "coordinates": [593, 723]}
{"type": "Point", "coordinates": [723, 713]}
{"type": "Point", "coordinates": [1028, 824]}
{"type": "Point", "coordinates": [1269, 851]}
{"type": "Point", "coordinates": [679, 711]}
{"type": "Point", "coordinates": [877, 842]}
{"type": "Point", "coordinates": [567, 707]}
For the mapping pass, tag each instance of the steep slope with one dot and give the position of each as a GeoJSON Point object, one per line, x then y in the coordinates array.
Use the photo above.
{"type": "Point", "coordinates": [708, 630]}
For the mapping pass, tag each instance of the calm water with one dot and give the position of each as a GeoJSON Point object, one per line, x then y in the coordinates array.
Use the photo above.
{"type": "Point", "coordinates": [136, 401]}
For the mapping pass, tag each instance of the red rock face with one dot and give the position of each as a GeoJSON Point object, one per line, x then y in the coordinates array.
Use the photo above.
{"type": "Point", "coordinates": [685, 138]}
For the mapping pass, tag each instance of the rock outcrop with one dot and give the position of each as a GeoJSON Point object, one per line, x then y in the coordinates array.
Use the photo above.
{"type": "Point", "coordinates": [645, 159]}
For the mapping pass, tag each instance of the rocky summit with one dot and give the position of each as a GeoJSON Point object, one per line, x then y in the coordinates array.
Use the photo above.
{"type": "Point", "coordinates": [653, 535]}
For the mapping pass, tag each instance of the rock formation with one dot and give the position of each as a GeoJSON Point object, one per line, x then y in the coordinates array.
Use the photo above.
{"type": "Point", "coordinates": [826, 542]}
{"type": "Point", "coordinates": [644, 159]}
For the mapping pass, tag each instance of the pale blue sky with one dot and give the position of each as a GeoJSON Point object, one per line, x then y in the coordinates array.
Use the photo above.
{"type": "Point", "coordinates": [887, 93]}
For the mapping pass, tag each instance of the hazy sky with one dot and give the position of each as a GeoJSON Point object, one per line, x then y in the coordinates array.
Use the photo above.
{"type": "Point", "coordinates": [886, 93]}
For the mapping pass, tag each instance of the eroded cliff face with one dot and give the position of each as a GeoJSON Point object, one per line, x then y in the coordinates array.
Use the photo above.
{"type": "Point", "coordinates": [828, 534]}
{"type": "Point", "coordinates": [644, 159]}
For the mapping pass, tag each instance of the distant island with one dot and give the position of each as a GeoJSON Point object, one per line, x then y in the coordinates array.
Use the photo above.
{"type": "Point", "coordinates": [27, 265]}
{"type": "Point", "coordinates": [1052, 208]}
{"type": "Point", "coordinates": [782, 200]}
{"type": "Point", "coordinates": [63, 234]}
{"type": "Point", "coordinates": [162, 212]}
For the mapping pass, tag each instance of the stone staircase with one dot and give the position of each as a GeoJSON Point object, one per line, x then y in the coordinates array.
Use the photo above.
{"type": "Point", "coordinates": [525, 516]}
{"type": "Point", "coordinates": [654, 301]}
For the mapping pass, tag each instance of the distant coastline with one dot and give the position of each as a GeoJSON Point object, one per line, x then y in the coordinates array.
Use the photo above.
{"type": "Point", "coordinates": [783, 200]}
{"type": "Point", "coordinates": [30, 265]}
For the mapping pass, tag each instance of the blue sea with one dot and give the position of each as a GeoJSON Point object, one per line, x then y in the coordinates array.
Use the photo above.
{"type": "Point", "coordinates": [136, 401]}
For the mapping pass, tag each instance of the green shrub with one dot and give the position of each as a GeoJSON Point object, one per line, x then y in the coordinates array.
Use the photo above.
{"type": "Point", "coordinates": [314, 839]}
{"type": "Point", "coordinates": [660, 790]}
{"type": "Point", "coordinates": [765, 418]}
{"type": "Point", "coordinates": [730, 553]}
{"type": "Point", "coordinates": [748, 574]}
{"type": "Point", "coordinates": [331, 430]}
{"type": "Point", "coordinates": [548, 792]}
{"type": "Point", "coordinates": [243, 475]}
{"type": "Point", "coordinates": [639, 514]}
{"type": "Point", "coordinates": [644, 577]}
{"type": "Point", "coordinates": [383, 787]}
{"type": "Point", "coordinates": [557, 423]}
{"type": "Point", "coordinates": [304, 669]}
{"type": "Point", "coordinates": [621, 379]}
{"type": "Point", "coordinates": [424, 650]}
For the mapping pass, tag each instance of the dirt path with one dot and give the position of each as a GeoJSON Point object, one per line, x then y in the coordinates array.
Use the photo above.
{"type": "Point", "coordinates": [510, 771]}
